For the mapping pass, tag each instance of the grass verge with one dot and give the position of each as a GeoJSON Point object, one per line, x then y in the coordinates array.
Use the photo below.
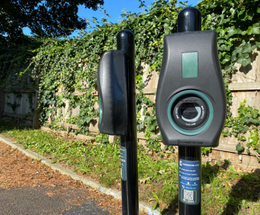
{"type": "Point", "coordinates": [225, 189]}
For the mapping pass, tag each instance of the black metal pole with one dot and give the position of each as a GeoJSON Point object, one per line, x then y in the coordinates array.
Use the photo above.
{"type": "Point", "coordinates": [189, 19]}
{"type": "Point", "coordinates": [125, 43]}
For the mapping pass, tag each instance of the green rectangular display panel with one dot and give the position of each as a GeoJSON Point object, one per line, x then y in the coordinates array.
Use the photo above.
{"type": "Point", "coordinates": [190, 65]}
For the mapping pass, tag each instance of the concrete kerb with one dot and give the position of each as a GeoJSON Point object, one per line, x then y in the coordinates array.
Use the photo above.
{"type": "Point", "coordinates": [89, 182]}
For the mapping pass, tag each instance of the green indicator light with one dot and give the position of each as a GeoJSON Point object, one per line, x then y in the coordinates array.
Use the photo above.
{"type": "Point", "coordinates": [190, 65]}
{"type": "Point", "coordinates": [100, 109]}
{"type": "Point", "coordinates": [99, 101]}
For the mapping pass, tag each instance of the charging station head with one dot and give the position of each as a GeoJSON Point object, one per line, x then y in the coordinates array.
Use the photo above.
{"type": "Point", "coordinates": [191, 98]}
{"type": "Point", "coordinates": [112, 93]}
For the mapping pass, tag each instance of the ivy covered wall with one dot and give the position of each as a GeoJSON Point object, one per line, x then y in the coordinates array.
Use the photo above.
{"type": "Point", "coordinates": [69, 65]}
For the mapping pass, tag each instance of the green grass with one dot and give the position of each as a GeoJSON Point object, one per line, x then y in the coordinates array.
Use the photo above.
{"type": "Point", "coordinates": [227, 191]}
{"type": "Point", "coordinates": [224, 190]}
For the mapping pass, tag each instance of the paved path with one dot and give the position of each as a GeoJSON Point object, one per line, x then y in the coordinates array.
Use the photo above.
{"type": "Point", "coordinates": [34, 201]}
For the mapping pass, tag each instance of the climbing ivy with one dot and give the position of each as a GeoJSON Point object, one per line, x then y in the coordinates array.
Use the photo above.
{"type": "Point", "coordinates": [246, 121]}
{"type": "Point", "coordinates": [238, 27]}
{"type": "Point", "coordinates": [68, 65]}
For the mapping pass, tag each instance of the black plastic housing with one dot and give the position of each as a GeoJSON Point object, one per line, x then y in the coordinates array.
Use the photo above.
{"type": "Point", "coordinates": [112, 92]}
{"type": "Point", "coordinates": [209, 82]}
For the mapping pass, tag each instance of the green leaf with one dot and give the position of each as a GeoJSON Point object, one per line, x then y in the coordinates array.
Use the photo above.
{"type": "Point", "coordinates": [240, 12]}
{"type": "Point", "coordinates": [155, 196]}
{"type": "Point", "coordinates": [250, 14]}
{"type": "Point", "coordinates": [254, 113]}
{"type": "Point", "coordinates": [255, 121]}
{"type": "Point", "coordinates": [88, 119]}
{"type": "Point", "coordinates": [239, 148]}
{"type": "Point", "coordinates": [255, 29]}
{"type": "Point", "coordinates": [148, 119]}
{"type": "Point", "coordinates": [245, 60]}
{"type": "Point", "coordinates": [246, 120]}
{"type": "Point", "coordinates": [150, 127]}
{"type": "Point", "coordinates": [232, 11]}
{"type": "Point", "coordinates": [248, 151]}
{"type": "Point", "coordinates": [243, 138]}
{"type": "Point", "coordinates": [232, 31]}
{"type": "Point", "coordinates": [247, 48]}
{"type": "Point", "coordinates": [155, 205]}
{"type": "Point", "coordinates": [253, 139]}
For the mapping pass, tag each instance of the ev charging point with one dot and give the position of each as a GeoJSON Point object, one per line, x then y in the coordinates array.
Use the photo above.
{"type": "Point", "coordinates": [112, 93]}
{"type": "Point", "coordinates": [116, 93]}
{"type": "Point", "coordinates": [190, 101]}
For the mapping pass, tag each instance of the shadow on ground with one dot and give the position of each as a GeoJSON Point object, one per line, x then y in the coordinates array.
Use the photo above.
{"type": "Point", "coordinates": [244, 189]}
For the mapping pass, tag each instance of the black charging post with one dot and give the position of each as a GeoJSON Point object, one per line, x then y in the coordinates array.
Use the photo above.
{"type": "Point", "coordinates": [116, 90]}
{"type": "Point", "coordinates": [190, 101]}
{"type": "Point", "coordinates": [128, 149]}
{"type": "Point", "coordinates": [189, 19]}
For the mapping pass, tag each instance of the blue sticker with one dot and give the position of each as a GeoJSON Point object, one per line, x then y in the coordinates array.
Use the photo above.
{"type": "Point", "coordinates": [189, 182]}
{"type": "Point", "coordinates": [123, 163]}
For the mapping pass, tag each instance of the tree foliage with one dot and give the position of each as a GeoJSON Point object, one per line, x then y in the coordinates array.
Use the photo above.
{"type": "Point", "coordinates": [48, 18]}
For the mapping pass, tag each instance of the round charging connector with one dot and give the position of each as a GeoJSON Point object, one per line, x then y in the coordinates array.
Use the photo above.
{"type": "Point", "coordinates": [190, 112]}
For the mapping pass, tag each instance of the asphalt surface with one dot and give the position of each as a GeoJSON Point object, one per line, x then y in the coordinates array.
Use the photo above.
{"type": "Point", "coordinates": [35, 201]}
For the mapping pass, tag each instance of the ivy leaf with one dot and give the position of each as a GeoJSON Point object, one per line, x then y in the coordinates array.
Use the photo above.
{"type": "Point", "coordinates": [231, 31]}
{"type": "Point", "coordinates": [222, 32]}
{"type": "Point", "coordinates": [241, 110]}
{"type": "Point", "coordinates": [243, 138]}
{"type": "Point", "coordinates": [247, 48]}
{"type": "Point", "coordinates": [248, 151]}
{"type": "Point", "coordinates": [255, 121]}
{"type": "Point", "coordinates": [253, 139]}
{"type": "Point", "coordinates": [88, 119]}
{"type": "Point", "coordinates": [245, 60]}
{"type": "Point", "coordinates": [233, 57]}
{"type": "Point", "coordinates": [239, 148]}
{"type": "Point", "coordinates": [240, 12]}
{"type": "Point", "coordinates": [226, 59]}
{"type": "Point", "coordinates": [150, 127]}
{"type": "Point", "coordinates": [254, 113]}
{"type": "Point", "coordinates": [140, 126]}
{"type": "Point", "coordinates": [148, 119]}
{"type": "Point", "coordinates": [250, 15]}
{"type": "Point", "coordinates": [254, 29]}
{"type": "Point", "coordinates": [246, 120]}
{"type": "Point", "coordinates": [80, 123]}
{"type": "Point", "coordinates": [232, 11]}
{"type": "Point", "coordinates": [237, 50]}
{"type": "Point", "coordinates": [242, 15]}
{"type": "Point", "coordinates": [258, 10]}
